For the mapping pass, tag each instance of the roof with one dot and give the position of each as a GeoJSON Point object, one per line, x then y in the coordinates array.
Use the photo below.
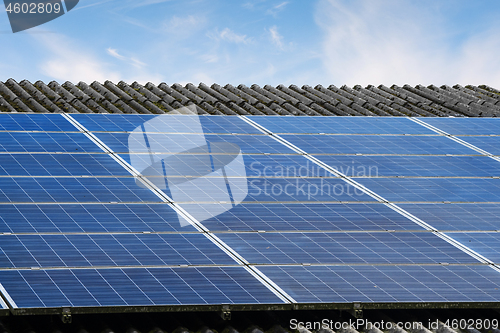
{"type": "Point", "coordinates": [108, 97]}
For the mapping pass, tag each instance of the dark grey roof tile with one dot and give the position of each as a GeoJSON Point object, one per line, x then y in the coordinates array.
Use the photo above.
{"type": "Point", "coordinates": [295, 94]}
{"type": "Point", "coordinates": [40, 97]}
{"type": "Point", "coordinates": [86, 89]}
{"type": "Point", "coordinates": [293, 110]}
{"type": "Point", "coordinates": [175, 94]}
{"type": "Point", "coordinates": [308, 110]}
{"type": "Point", "coordinates": [269, 95]}
{"type": "Point", "coordinates": [213, 93]}
{"type": "Point", "coordinates": [279, 110]}
{"type": "Point", "coordinates": [146, 93]}
{"type": "Point", "coordinates": [260, 98]}
{"type": "Point", "coordinates": [224, 109]}
{"type": "Point", "coordinates": [258, 109]}
{"type": "Point", "coordinates": [160, 93]}
{"type": "Point", "coordinates": [185, 92]}
{"type": "Point", "coordinates": [282, 95]}
{"type": "Point", "coordinates": [232, 97]}
{"type": "Point", "coordinates": [131, 92]}
{"type": "Point", "coordinates": [109, 95]}
{"type": "Point", "coordinates": [208, 98]}
{"type": "Point", "coordinates": [242, 94]}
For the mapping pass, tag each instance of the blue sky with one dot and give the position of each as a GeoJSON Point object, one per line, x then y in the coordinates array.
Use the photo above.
{"type": "Point", "coordinates": [261, 41]}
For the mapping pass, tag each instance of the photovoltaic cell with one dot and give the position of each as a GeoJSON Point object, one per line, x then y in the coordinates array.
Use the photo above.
{"type": "Point", "coordinates": [308, 216]}
{"type": "Point", "coordinates": [170, 123]}
{"type": "Point", "coordinates": [175, 143]}
{"type": "Point", "coordinates": [73, 218]}
{"type": "Point", "coordinates": [46, 142]}
{"type": "Point", "coordinates": [484, 243]}
{"type": "Point", "coordinates": [413, 166]}
{"type": "Point", "coordinates": [435, 189]}
{"type": "Point", "coordinates": [378, 144]}
{"type": "Point", "coordinates": [134, 286]}
{"type": "Point", "coordinates": [465, 126]}
{"type": "Point", "coordinates": [32, 189]}
{"type": "Point", "coordinates": [340, 125]}
{"type": "Point", "coordinates": [34, 122]}
{"type": "Point", "coordinates": [60, 165]}
{"type": "Point", "coordinates": [345, 248]}
{"type": "Point", "coordinates": [347, 284]}
{"type": "Point", "coordinates": [472, 217]}
{"type": "Point", "coordinates": [489, 143]}
{"type": "Point", "coordinates": [25, 251]}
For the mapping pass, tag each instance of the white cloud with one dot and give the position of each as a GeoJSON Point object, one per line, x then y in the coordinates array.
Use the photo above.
{"type": "Point", "coordinates": [229, 36]}
{"type": "Point", "coordinates": [130, 60]}
{"type": "Point", "coordinates": [276, 38]}
{"type": "Point", "coordinates": [68, 62]}
{"type": "Point", "coordinates": [277, 8]}
{"type": "Point", "coordinates": [401, 41]}
{"type": "Point", "coordinates": [114, 53]}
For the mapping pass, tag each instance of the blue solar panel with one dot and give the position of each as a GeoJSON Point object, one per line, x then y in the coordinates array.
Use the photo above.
{"type": "Point", "coordinates": [473, 217]}
{"type": "Point", "coordinates": [435, 189]}
{"type": "Point", "coordinates": [25, 251]}
{"type": "Point", "coordinates": [177, 143]}
{"type": "Point", "coordinates": [414, 283]}
{"type": "Point", "coordinates": [345, 248]}
{"type": "Point", "coordinates": [34, 122]}
{"type": "Point", "coordinates": [73, 218]}
{"type": "Point", "coordinates": [252, 165]}
{"type": "Point", "coordinates": [17, 190]}
{"type": "Point", "coordinates": [170, 123]}
{"type": "Point", "coordinates": [414, 166]}
{"type": "Point", "coordinates": [60, 165]}
{"type": "Point", "coordinates": [300, 217]}
{"type": "Point", "coordinates": [465, 126]}
{"type": "Point", "coordinates": [489, 143]}
{"type": "Point", "coordinates": [340, 125]}
{"type": "Point", "coordinates": [134, 286]}
{"type": "Point", "coordinates": [268, 190]}
{"type": "Point", "coordinates": [484, 243]}
{"type": "Point", "coordinates": [46, 142]}
{"type": "Point", "coordinates": [378, 144]}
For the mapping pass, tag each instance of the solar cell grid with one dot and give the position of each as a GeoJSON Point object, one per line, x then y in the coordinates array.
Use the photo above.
{"type": "Point", "coordinates": [34, 122]}
{"type": "Point", "coordinates": [345, 248]}
{"type": "Point", "coordinates": [308, 216]}
{"type": "Point", "coordinates": [60, 165]}
{"type": "Point", "coordinates": [435, 189]}
{"type": "Point", "coordinates": [340, 125]}
{"type": "Point", "coordinates": [46, 142]}
{"type": "Point", "coordinates": [465, 126]}
{"type": "Point", "coordinates": [484, 243]}
{"type": "Point", "coordinates": [170, 123]}
{"type": "Point", "coordinates": [33, 189]}
{"type": "Point", "coordinates": [473, 217]}
{"type": "Point", "coordinates": [413, 166]}
{"type": "Point", "coordinates": [491, 144]}
{"type": "Point", "coordinates": [378, 144]}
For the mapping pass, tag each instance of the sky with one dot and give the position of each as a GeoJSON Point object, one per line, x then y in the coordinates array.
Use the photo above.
{"type": "Point", "coordinates": [340, 42]}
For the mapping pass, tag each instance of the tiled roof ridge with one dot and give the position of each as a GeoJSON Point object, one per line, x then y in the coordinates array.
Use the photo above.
{"type": "Point", "coordinates": [108, 97]}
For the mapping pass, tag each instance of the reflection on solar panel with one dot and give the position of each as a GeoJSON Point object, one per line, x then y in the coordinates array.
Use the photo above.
{"type": "Point", "coordinates": [102, 210]}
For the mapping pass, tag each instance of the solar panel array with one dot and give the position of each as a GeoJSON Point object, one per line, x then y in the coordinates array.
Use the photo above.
{"type": "Point", "coordinates": [100, 210]}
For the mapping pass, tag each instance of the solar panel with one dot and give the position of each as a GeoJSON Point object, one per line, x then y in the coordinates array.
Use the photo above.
{"type": "Point", "coordinates": [490, 144]}
{"type": "Point", "coordinates": [34, 122]}
{"type": "Point", "coordinates": [46, 142]}
{"type": "Point", "coordinates": [253, 221]}
{"type": "Point", "coordinates": [413, 166]}
{"type": "Point", "coordinates": [345, 248]}
{"type": "Point", "coordinates": [60, 165]}
{"type": "Point", "coordinates": [455, 217]}
{"type": "Point", "coordinates": [378, 144]}
{"type": "Point", "coordinates": [171, 124]}
{"type": "Point", "coordinates": [466, 126]}
{"type": "Point", "coordinates": [340, 125]}
{"type": "Point", "coordinates": [435, 189]}
{"type": "Point", "coordinates": [134, 286]}
{"type": "Point", "coordinates": [73, 189]}
{"type": "Point", "coordinates": [307, 216]}
{"type": "Point", "coordinates": [392, 284]}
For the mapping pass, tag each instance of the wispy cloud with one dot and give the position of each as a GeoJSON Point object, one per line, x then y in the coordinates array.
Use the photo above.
{"type": "Point", "coordinates": [114, 53]}
{"type": "Point", "coordinates": [277, 39]}
{"type": "Point", "coordinates": [184, 26]}
{"type": "Point", "coordinates": [402, 41]}
{"type": "Point", "coordinates": [130, 60]}
{"type": "Point", "coordinates": [229, 36]}
{"type": "Point", "coordinates": [277, 8]}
